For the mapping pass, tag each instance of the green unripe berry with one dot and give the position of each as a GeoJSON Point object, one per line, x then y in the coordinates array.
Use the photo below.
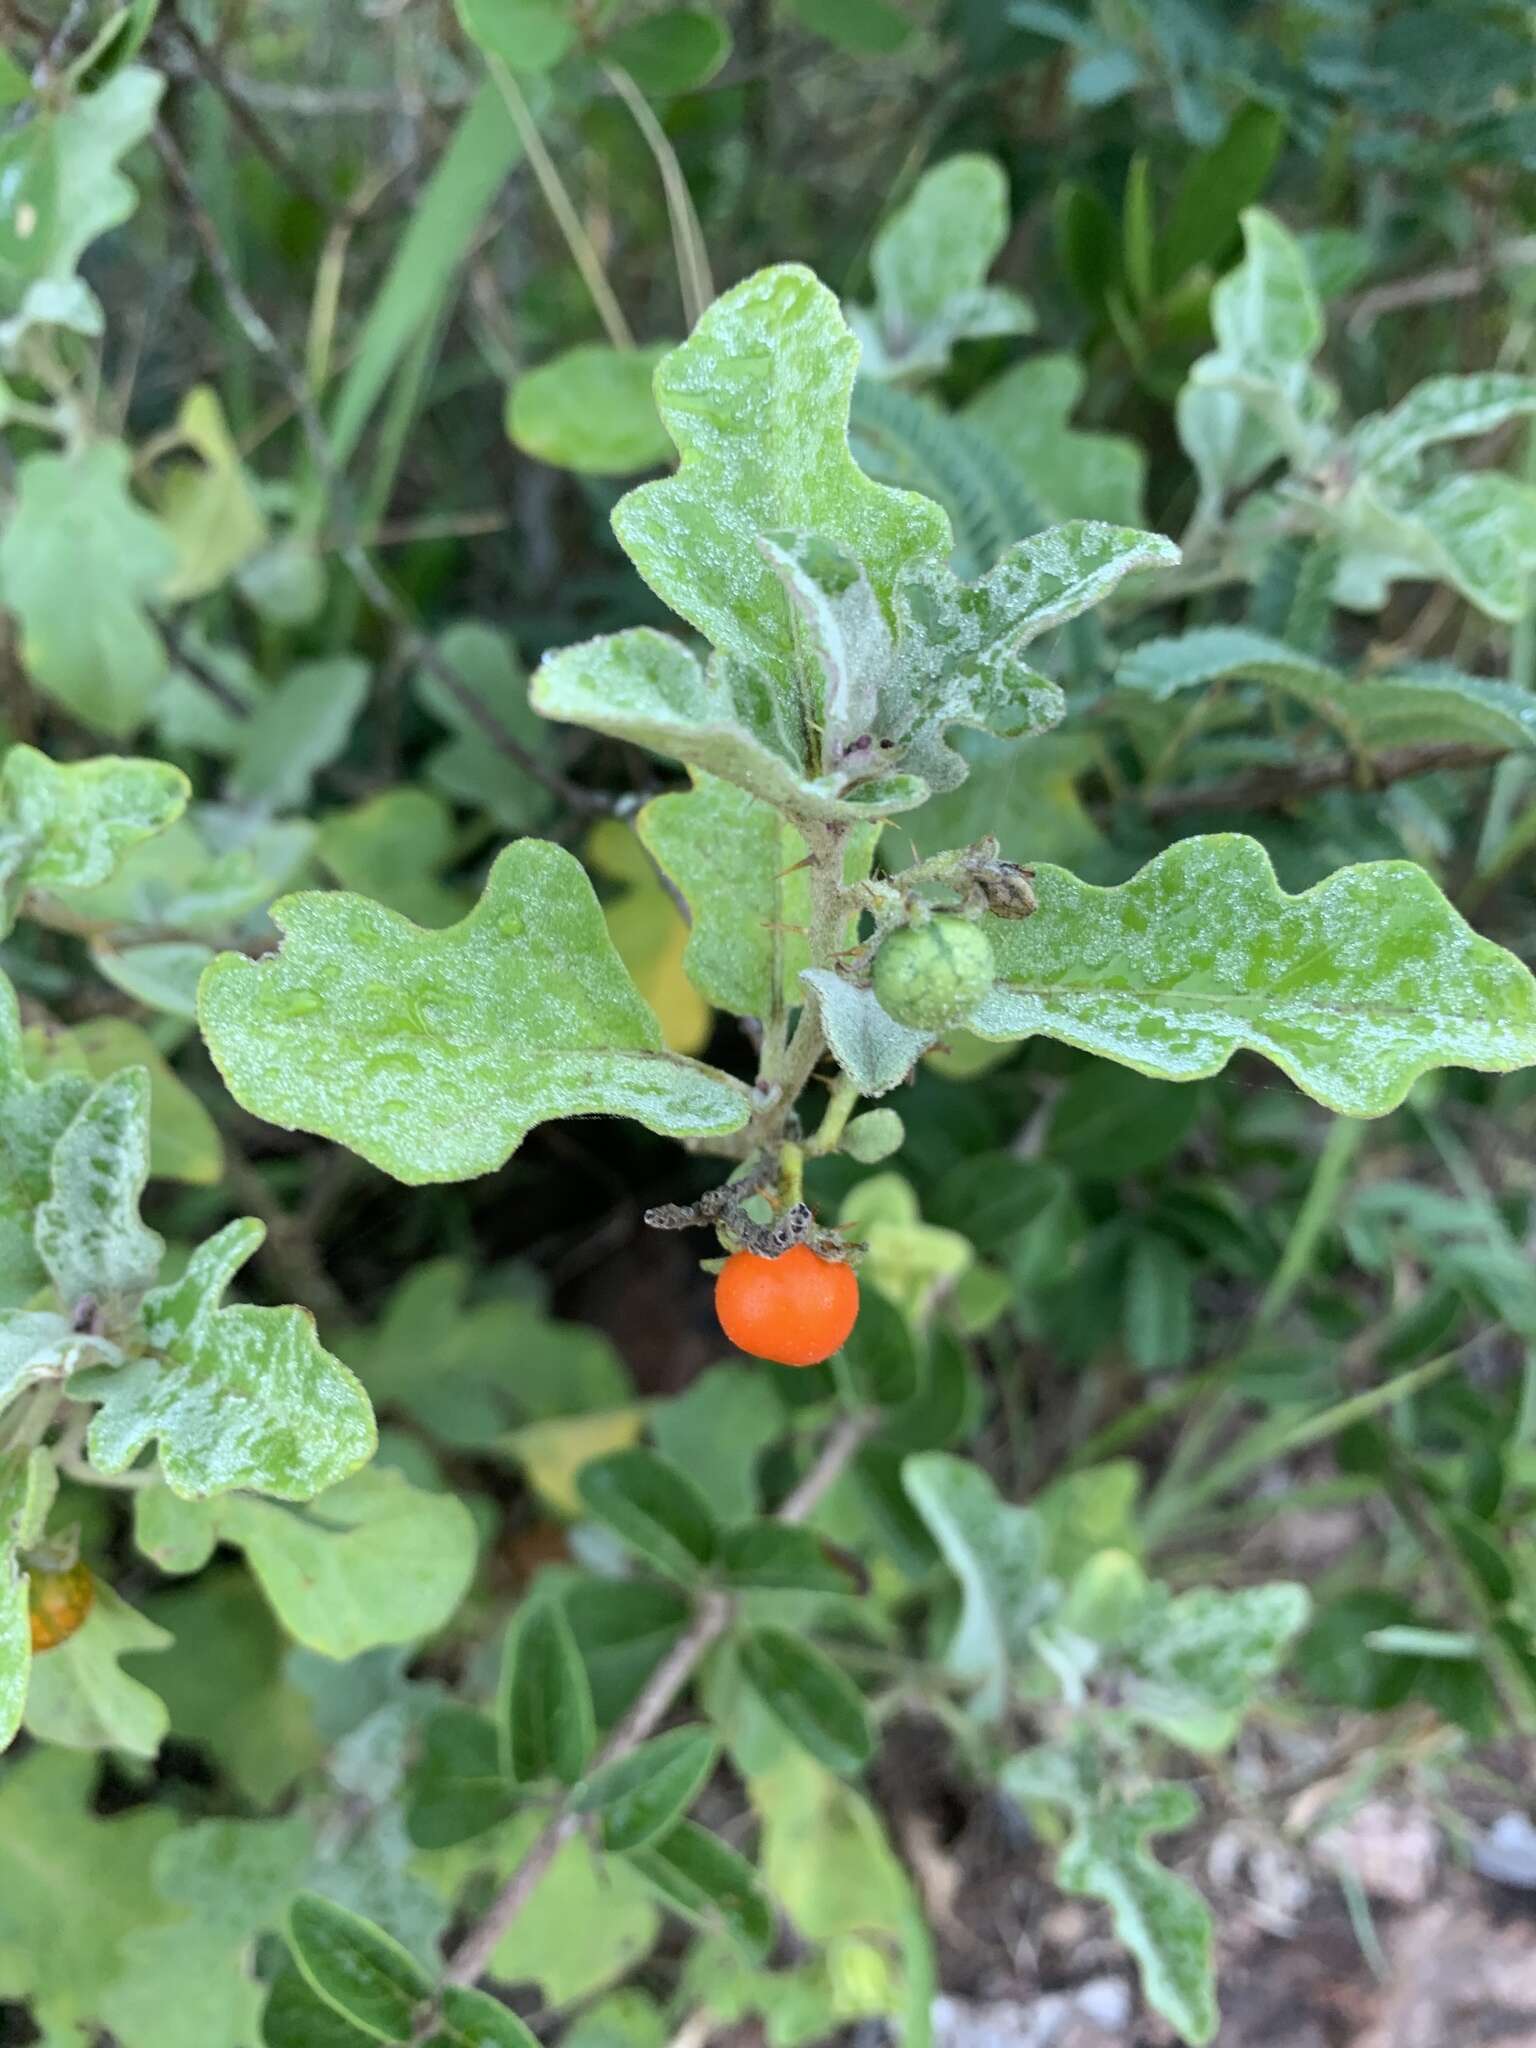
{"type": "Point", "coordinates": [931, 976]}
{"type": "Point", "coordinates": [874, 1136]}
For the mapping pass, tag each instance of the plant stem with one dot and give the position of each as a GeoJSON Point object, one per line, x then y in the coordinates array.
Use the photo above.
{"type": "Point", "coordinates": [693, 275]}
{"type": "Point", "coordinates": [1313, 1217]}
{"type": "Point", "coordinates": [563, 207]}
{"type": "Point", "coordinates": [714, 1615]}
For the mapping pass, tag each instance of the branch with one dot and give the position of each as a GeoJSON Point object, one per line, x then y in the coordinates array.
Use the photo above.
{"type": "Point", "coordinates": [715, 1613]}
{"type": "Point", "coordinates": [1464, 281]}
{"type": "Point", "coordinates": [1276, 789]}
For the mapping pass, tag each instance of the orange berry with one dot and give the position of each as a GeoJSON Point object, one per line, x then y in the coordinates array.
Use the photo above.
{"type": "Point", "coordinates": [57, 1603]}
{"type": "Point", "coordinates": [796, 1309]}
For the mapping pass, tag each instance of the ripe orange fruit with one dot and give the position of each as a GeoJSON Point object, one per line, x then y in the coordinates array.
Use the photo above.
{"type": "Point", "coordinates": [57, 1603]}
{"type": "Point", "coordinates": [796, 1309]}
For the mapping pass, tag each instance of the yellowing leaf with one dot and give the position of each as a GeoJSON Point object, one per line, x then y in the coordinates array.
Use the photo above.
{"type": "Point", "coordinates": [552, 1452]}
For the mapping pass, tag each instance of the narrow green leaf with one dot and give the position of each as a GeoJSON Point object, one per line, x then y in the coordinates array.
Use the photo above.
{"type": "Point", "coordinates": [357, 1968]}
{"type": "Point", "coordinates": [644, 1794]}
{"type": "Point", "coordinates": [1159, 1304]}
{"type": "Point", "coordinates": [1354, 988]}
{"type": "Point", "coordinates": [444, 219]}
{"type": "Point", "coordinates": [655, 1508]}
{"type": "Point", "coordinates": [757, 401]}
{"type": "Point", "coordinates": [458, 1789]}
{"type": "Point", "coordinates": [433, 1053]}
{"type": "Point", "coordinates": [768, 1557]}
{"type": "Point", "coordinates": [473, 2019]}
{"type": "Point", "coordinates": [237, 1397]}
{"type": "Point", "coordinates": [545, 1706]}
{"type": "Point", "coordinates": [701, 1878]}
{"type": "Point", "coordinates": [1218, 184]}
{"type": "Point", "coordinates": [867, 28]}
{"type": "Point", "coordinates": [88, 1231]}
{"type": "Point", "coordinates": [806, 1692]}
{"type": "Point", "coordinates": [297, 2017]}
{"type": "Point", "coordinates": [998, 1553]}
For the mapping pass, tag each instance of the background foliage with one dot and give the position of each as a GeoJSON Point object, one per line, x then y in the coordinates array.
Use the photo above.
{"type": "Point", "coordinates": [448, 1609]}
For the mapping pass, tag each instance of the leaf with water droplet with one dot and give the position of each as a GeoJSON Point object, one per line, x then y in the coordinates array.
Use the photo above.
{"type": "Point", "coordinates": [432, 1053]}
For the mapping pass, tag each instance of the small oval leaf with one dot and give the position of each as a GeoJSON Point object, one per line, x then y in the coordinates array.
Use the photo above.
{"type": "Point", "coordinates": [644, 1794]}
{"type": "Point", "coordinates": [805, 1691]}
{"type": "Point", "coordinates": [659, 1513]}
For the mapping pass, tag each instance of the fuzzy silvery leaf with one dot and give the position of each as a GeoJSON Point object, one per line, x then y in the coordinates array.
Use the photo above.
{"type": "Point", "coordinates": [1476, 532]}
{"type": "Point", "coordinates": [1163, 1921]}
{"type": "Point", "coordinates": [433, 1053]}
{"type": "Point", "coordinates": [739, 865]}
{"type": "Point", "coordinates": [959, 644]}
{"type": "Point", "coordinates": [89, 1236]}
{"type": "Point", "coordinates": [33, 1117]}
{"type": "Point", "coordinates": [873, 1050]}
{"type": "Point", "coordinates": [844, 632]}
{"type": "Point", "coordinates": [1354, 988]}
{"type": "Point", "coordinates": [645, 687]}
{"type": "Point", "coordinates": [998, 1554]}
{"type": "Point", "coordinates": [237, 1397]}
{"type": "Point", "coordinates": [1198, 1659]}
{"type": "Point", "coordinates": [930, 261]}
{"type": "Point", "coordinates": [67, 824]}
{"type": "Point", "coordinates": [1449, 408]}
{"type": "Point", "coordinates": [1268, 322]}
{"type": "Point", "coordinates": [757, 402]}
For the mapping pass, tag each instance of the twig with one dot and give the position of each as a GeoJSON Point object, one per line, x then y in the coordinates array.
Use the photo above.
{"type": "Point", "coordinates": [1463, 281]}
{"type": "Point", "coordinates": [201, 672]}
{"type": "Point", "coordinates": [244, 116]}
{"type": "Point", "coordinates": [713, 1617]}
{"type": "Point", "coordinates": [560, 204]}
{"type": "Point", "coordinates": [1272, 789]}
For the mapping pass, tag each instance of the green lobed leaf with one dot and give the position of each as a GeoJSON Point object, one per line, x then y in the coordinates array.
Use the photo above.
{"type": "Point", "coordinates": [458, 1788]}
{"type": "Point", "coordinates": [1474, 531]}
{"type": "Point", "coordinates": [200, 878]}
{"type": "Point", "coordinates": [643, 1795]}
{"type": "Point", "coordinates": [237, 1397]}
{"type": "Point", "coordinates": [591, 409]}
{"type": "Point", "coordinates": [393, 847]}
{"type": "Point", "coordinates": [298, 729]}
{"type": "Point", "coordinates": [1071, 473]}
{"type": "Point", "coordinates": [1163, 1921]}
{"type": "Point", "coordinates": [433, 1053]}
{"type": "Point", "coordinates": [374, 1560]}
{"type": "Point", "coordinates": [1354, 988]}
{"type": "Point", "coordinates": [739, 865]}
{"type": "Point", "coordinates": [998, 1554]}
{"type": "Point", "coordinates": [184, 1141]}
{"type": "Point", "coordinates": [53, 1950]}
{"type": "Point", "coordinates": [81, 1698]}
{"type": "Point", "coordinates": [654, 1507]}
{"type": "Point", "coordinates": [717, 1429]}
{"type": "Point", "coordinates": [545, 1703]}
{"type": "Point", "coordinates": [469, 768]}
{"type": "Point", "coordinates": [67, 825]}
{"type": "Point", "coordinates": [73, 527]}
{"type": "Point", "coordinates": [757, 401]}
{"type": "Point", "coordinates": [810, 1697]}
{"type": "Point", "coordinates": [930, 261]}
{"type": "Point", "coordinates": [356, 1967]}
{"type": "Point", "coordinates": [89, 1236]}
{"type": "Point", "coordinates": [1200, 1658]}
{"type": "Point", "coordinates": [61, 166]}
{"type": "Point", "coordinates": [696, 1874]}
{"type": "Point", "coordinates": [958, 644]}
